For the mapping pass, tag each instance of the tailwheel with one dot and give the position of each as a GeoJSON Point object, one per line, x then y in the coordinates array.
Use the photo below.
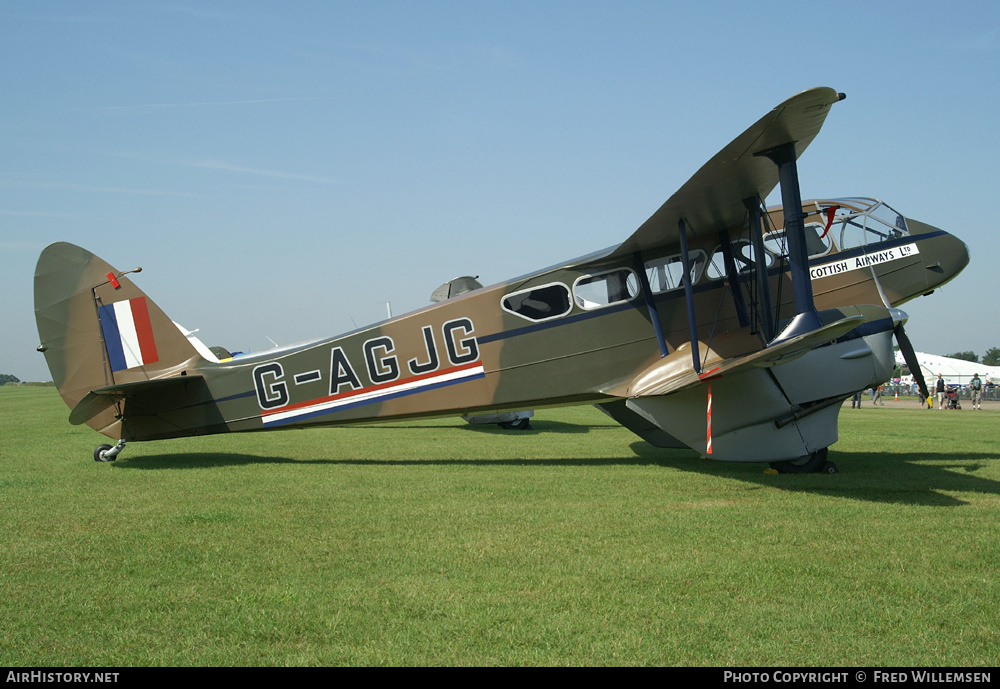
{"type": "Point", "coordinates": [811, 464]}
{"type": "Point", "coordinates": [107, 453]}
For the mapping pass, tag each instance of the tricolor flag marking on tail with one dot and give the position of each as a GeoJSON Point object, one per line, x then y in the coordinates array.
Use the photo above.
{"type": "Point", "coordinates": [128, 334]}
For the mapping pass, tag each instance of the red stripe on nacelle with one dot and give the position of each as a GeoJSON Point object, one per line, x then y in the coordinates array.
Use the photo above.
{"type": "Point", "coordinates": [708, 423]}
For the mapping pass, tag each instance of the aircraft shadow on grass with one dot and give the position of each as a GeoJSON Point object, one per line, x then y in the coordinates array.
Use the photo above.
{"type": "Point", "coordinates": [924, 478]}
{"type": "Point", "coordinates": [537, 427]}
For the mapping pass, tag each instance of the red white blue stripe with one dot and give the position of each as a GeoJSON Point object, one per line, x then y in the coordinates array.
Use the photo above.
{"type": "Point", "coordinates": [128, 334]}
{"type": "Point", "coordinates": [373, 394]}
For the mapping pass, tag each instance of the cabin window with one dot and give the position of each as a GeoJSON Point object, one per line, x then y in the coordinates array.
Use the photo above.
{"type": "Point", "coordinates": [743, 254]}
{"type": "Point", "coordinates": [539, 303]}
{"type": "Point", "coordinates": [605, 289]}
{"type": "Point", "coordinates": [816, 243]}
{"type": "Point", "coordinates": [666, 274]}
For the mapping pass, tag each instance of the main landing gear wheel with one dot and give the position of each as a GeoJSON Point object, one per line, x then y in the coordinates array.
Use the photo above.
{"type": "Point", "coordinates": [815, 463]}
{"type": "Point", "coordinates": [519, 425]}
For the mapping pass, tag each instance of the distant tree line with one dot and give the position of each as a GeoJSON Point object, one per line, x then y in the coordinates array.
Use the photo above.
{"type": "Point", "coordinates": [991, 358]}
{"type": "Point", "coordinates": [9, 379]}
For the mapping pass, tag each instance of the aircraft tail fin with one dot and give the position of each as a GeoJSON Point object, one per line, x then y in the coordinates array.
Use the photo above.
{"type": "Point", "coordinates": [97, 328]}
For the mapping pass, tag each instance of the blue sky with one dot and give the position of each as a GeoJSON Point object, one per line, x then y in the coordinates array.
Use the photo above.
{"type": "Point", "coordinates": [281, 170]}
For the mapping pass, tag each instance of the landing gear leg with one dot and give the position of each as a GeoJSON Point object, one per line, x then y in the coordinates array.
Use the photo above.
{"type": "Point", "coordinates": [815, 463]}
{"type": "Point", "coordinates": [106, 453]}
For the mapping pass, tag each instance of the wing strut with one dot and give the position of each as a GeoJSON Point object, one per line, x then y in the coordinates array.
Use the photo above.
{"type": "Point", "coordinates": [689, 295]}
{"type": "Point", "coordinates": [647, 294]}
{"type": "Point", "coordinates": [733, 275]}
{"type": "Point", "coordinates": [807, 319]}
{"type": "Point", "coordinates": [760, 260]}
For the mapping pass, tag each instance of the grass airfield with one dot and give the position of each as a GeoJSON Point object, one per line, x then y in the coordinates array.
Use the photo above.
{"type": "Point", "coordinates": [436, 543]}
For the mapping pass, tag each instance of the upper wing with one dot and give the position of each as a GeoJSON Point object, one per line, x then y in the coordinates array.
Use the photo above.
{"type": "Point", "coordinates": [713, 197]}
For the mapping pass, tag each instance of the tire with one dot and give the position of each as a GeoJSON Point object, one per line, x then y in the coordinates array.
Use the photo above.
{"type": "Point", "coordinates": [810, 464]}
{"type": "Point", "coordinates": [518, 425]}
{"type": "Point", "coordinates": [99, 453]}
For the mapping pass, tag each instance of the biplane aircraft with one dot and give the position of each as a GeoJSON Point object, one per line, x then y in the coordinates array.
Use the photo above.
{"type": "Point", "coordinates": [718, 325]}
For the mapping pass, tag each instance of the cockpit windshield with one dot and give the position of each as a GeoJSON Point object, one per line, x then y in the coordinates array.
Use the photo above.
{"type": "Point", "coordinates": [863, 221]}
{"type": "Point", "coordinates": [830, 225]}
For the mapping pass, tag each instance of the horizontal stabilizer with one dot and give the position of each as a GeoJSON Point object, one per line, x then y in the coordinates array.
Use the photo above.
{"type": "Point", "coordinates": [96, 401]}
{"type": "Point", "coordinates": [666, 376]}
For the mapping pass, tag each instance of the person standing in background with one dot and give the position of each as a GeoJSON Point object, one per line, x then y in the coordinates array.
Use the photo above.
{"type": "Point", "coordinates": [976, 388]}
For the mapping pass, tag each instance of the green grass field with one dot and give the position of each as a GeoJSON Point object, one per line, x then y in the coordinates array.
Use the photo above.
{"type": "Point", "coordinates": [438, 543]}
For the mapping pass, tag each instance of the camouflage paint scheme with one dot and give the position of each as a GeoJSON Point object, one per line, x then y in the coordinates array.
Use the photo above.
{"type": "Point", "coordinates": [539, 340]}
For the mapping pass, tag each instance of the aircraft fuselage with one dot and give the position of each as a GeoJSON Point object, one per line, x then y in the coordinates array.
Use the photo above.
{"type": "Point", "coordinates": [556, 337]}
